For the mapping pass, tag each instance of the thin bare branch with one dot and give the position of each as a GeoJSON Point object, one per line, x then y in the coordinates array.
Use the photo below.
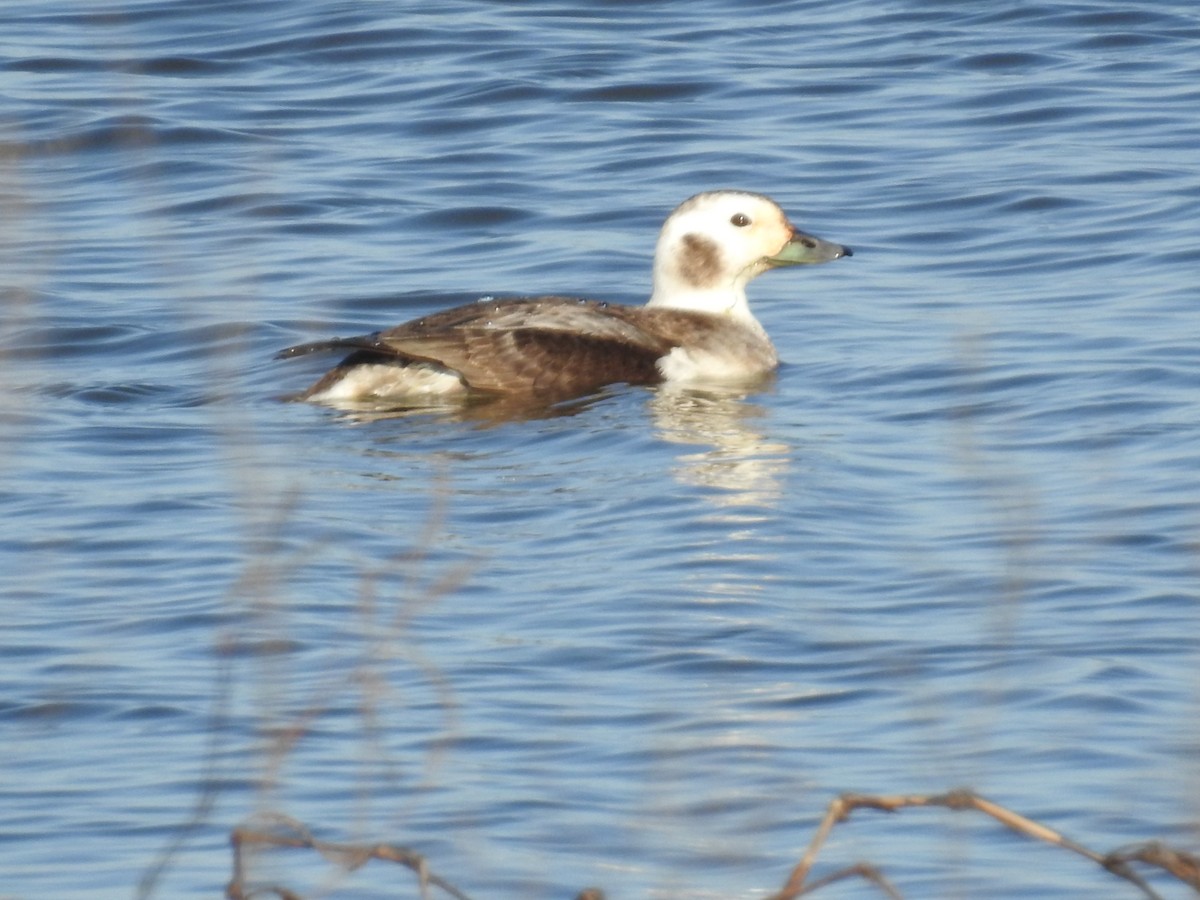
{"type": "Point", "coordinates": [865, 871]}
{"type": "Point", "coordinates": [1182, 866]}
{"type": "Point", "coordinates": [282, 831]}
{"type": "Point", "coordinates": [291, 833]}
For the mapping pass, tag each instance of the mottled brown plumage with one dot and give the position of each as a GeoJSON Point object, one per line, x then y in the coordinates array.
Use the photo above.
{"type": "Point", "coordinates": [545, 346]}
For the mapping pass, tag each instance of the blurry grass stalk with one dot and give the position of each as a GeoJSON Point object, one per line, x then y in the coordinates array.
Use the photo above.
{"type": "Point", "coordinates": [391, 595]}
{"type": "Point", "coordinates": [381, 642]}
{"type": "Point", "coordinates": [24, 272]}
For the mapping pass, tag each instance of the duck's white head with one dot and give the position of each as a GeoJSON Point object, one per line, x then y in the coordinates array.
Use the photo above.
{"type": "Point", "coordinates": [714, 243]}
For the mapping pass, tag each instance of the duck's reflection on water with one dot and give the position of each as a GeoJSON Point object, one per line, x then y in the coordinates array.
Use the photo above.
{"type": "Point", "coordinates": [724, 449]}
{"type": "Point", "coordinates": [482, 411]}
{"type": "Point", "coordinates": [730, 456]}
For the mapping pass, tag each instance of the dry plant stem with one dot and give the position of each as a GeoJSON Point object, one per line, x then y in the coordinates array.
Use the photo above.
{"type": "Point", "coordinates": [1182, 866]}
{"type": "Point", "coordinates": [865, 871]}
{"type": "Point", "coordinates": [348, 856]}
{"type": "Point", "coordinates": [207, 796]}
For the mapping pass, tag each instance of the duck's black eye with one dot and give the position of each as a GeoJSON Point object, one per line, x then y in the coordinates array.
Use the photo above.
{"type": "Point", "coordinates": [741, 220]}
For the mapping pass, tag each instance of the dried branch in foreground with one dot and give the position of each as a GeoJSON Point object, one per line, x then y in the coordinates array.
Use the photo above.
{"type": "Point", "coordinates": [1180, 865]}
{"type": "Point", "coordinates": [290, 833]}
{"type": "Point", "coordinates": [282, 831]}
{"type": "Point", "coordinates": [865, 871]}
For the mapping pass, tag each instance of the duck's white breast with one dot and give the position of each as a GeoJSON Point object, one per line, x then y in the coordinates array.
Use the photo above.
{"type": "Point", "coordinates": [699, 365]}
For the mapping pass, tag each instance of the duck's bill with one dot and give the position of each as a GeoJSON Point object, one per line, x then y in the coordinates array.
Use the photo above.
{"type": "Point", "coordinates": [806, 250]}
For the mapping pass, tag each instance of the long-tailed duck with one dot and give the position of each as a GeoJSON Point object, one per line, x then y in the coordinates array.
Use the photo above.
{"type": "Point", "coordinates": [696, 329]}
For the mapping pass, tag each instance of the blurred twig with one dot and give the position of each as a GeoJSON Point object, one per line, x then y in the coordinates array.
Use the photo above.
{"type": "Point", "coordinates": [281, 831]}
{"type": "Point", "coordinates": [206, 798]}
{"type": "Point", "coordinates": [1182, 866]}
{"type": "Point", "coordinates": [290, 833]}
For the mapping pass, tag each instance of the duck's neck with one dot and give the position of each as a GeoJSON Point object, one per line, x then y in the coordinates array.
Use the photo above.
{"type": "Point", "coordinates": [729, 301]}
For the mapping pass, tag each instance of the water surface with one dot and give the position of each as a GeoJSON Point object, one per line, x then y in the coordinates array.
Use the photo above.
{"type": "Point", "coordinates": [642, 642]}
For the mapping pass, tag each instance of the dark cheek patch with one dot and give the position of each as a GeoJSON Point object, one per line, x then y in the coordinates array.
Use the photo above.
{"type": "Point", "coordinates": [700, 261]}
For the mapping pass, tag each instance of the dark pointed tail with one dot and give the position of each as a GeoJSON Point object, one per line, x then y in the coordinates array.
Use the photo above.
{"type": "Point", "coordinates": [362, 342]}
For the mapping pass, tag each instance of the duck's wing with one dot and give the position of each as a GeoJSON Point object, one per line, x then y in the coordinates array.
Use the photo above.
{"type": "Point", "coordinates": [555, 346]}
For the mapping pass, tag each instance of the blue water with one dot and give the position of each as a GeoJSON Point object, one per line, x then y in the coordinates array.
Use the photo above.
{"type": "Point", "coordinates": [639, 644]}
